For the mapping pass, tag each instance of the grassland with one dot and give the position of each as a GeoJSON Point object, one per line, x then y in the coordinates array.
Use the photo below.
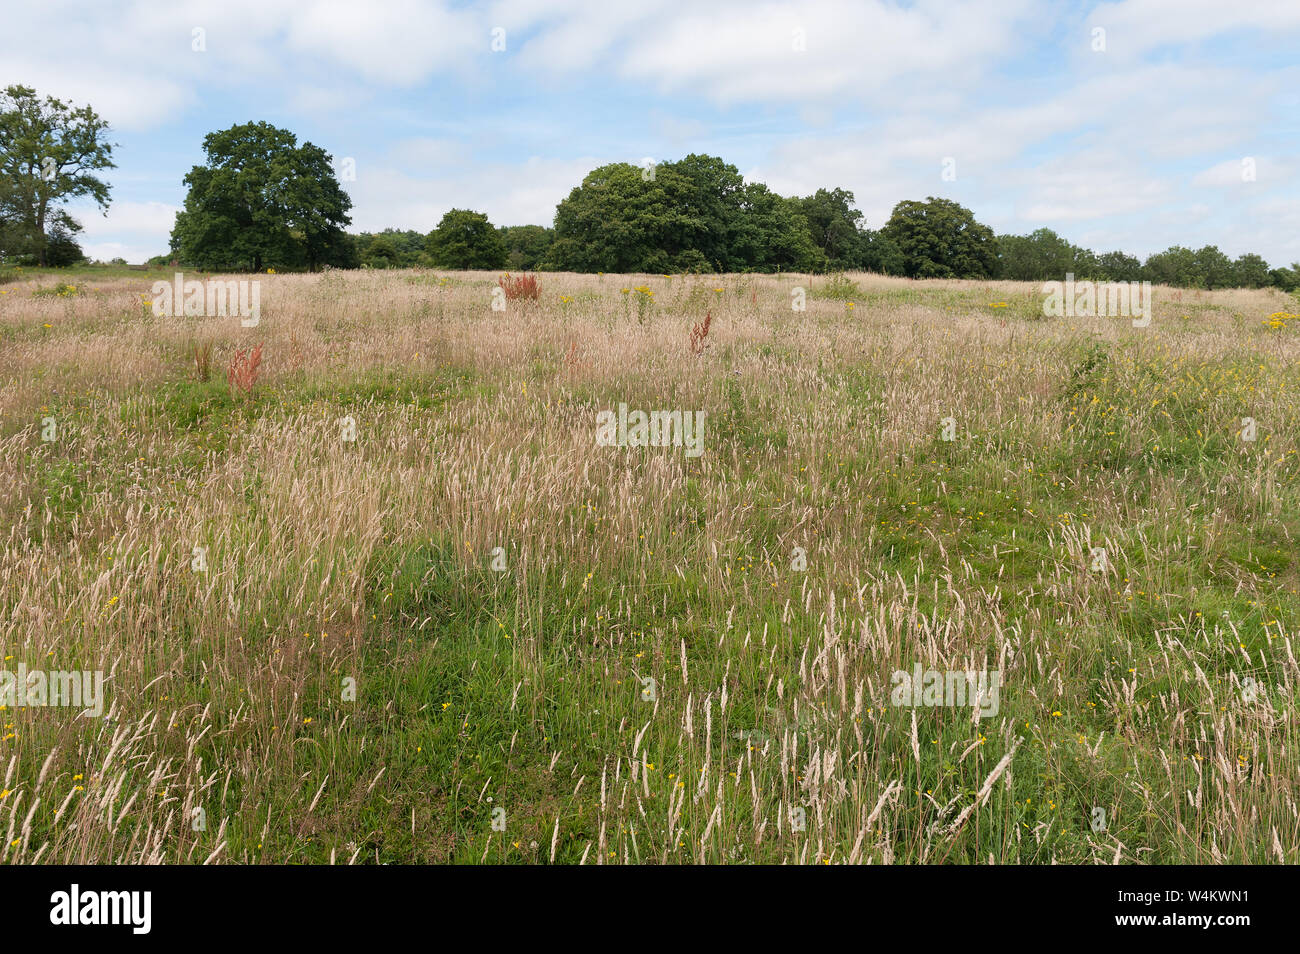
{"type": "Point", "coordinates": [1160, 688]}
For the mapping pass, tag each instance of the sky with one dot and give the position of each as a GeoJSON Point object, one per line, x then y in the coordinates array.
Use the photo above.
{"type": "Point", "coordinates": [1132, 125]}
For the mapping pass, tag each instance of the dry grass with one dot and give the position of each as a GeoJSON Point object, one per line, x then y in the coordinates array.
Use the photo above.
{"type": "Point", "coordinates": [372, 560]}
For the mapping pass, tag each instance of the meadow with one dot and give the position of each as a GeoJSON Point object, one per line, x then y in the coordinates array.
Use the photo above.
{"type": "Point", "coordinates": [471, 634]}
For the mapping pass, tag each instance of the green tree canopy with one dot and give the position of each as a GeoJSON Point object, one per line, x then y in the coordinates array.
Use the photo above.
{"type": "Point", "coordinates": [391, 248]}
{"type": "Point", "coordinates": [1042, 255]}
{"type": "Point", "coordinates": [836, 228]}
{"type": "Point", "coordinates": [1214, 268]}
{"type": "Point", "coordinates": [1174, 266]}
{"type": "Point", "coordinates": [382, 253]}
{"type": "Point", "coordinates": [713, 201]}
{"type": "Point", "coordinates": [261, 200]}
{"type": "Point", "coordinates": [694, 214]}
{"type": "Point", "coordinates": [940, 239]}
{"type": "Point", "coordinates": [1250, 271]}
{"type": "Point", "coordinates": [49, 153]}
{"type": "Point", "coordinates": [1287, 279]}
{"type": "Point", "coordinates": [465, 239]}
{"type": "Point", "coordinates": [880, 254]}
{"type": "Point", "coordinates": [621, 220]}
{"type": "Point", "coordinates": [11, 224]}
{"type": "Point", "coordinates": [1118, 267]}
{"type": "Point", "coordinates": [526, 245]}
{"type": "Point", "coordinates": [61, 248]}
{"type": "Point", "coordinates": [771, 235]}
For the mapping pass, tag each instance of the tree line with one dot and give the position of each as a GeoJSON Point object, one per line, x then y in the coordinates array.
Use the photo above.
{"type": "Point", "coordinates": [701, 217]}
{"type": "Point", "coordinates": [698, 215]}
{"type": "Point", "coordinates": [263, 200]}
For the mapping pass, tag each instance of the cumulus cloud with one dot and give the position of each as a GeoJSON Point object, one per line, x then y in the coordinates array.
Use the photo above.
{"type": "Point", "coordinates": [131, 230]}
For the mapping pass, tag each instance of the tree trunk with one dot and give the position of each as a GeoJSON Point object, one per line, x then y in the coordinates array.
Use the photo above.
{"type": "Point", "coordinates": [41, 243]}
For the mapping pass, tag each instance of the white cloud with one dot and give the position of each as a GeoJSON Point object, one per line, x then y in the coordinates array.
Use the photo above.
{"type": "Point", "coordinates": [430, 153]}
{"type": "Point", "coordinates": [1091, 185]}
{"type": "Point", "coordinates": [134, 231]}
{"type": "Point", "coordinates": [510, 194]}
{"type": "Point", "coordinates": [128, 218]}
{"type": "Point", "coordinates": [138, 63]}
{"type": "Point", "coordinates": [676, 130]}
{"type": "Point", "coordinates": [132, 254]}
{"type": "Point", "coordinates": [126, 100]}
{"type": "Point", "coordinates": [1134, 27]}
{"type": "Point", "coordinates": [738, 50]}
{"type": "Point", "coordinates": [1258, 172]}
{"type": "Point", "coordinates": [395, 43]}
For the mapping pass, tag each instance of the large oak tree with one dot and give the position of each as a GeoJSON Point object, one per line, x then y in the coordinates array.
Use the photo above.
{"type": "Point", "coordinates": [261, 200]}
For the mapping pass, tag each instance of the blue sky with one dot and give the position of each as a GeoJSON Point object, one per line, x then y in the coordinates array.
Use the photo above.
{"type": "Point", "coordinates": [1136, 145]}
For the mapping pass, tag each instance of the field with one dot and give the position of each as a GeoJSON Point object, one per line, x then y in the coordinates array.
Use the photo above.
{"type": "Point", "coordinates": [315, 652]}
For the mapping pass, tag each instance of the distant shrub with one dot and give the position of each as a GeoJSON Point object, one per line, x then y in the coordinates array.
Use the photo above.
{"type": "Point", "coordinates": [839, 287]}
{"type": "Point", "coordinates": [61, 290]}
